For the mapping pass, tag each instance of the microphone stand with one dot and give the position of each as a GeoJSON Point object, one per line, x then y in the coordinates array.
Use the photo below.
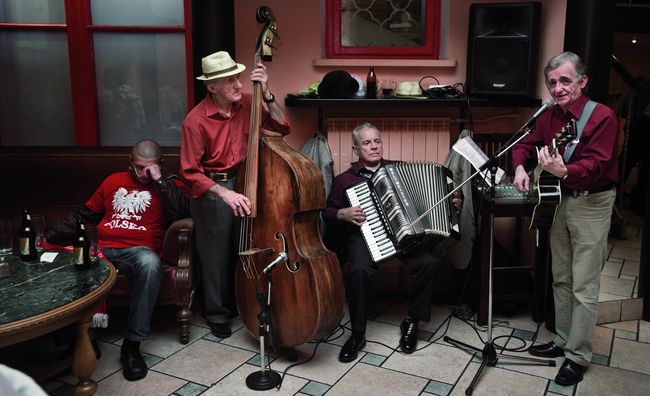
{"type": "Point", "coordinates": [489, 355]}
{"type": "Point", "coordinates": [264, 379]}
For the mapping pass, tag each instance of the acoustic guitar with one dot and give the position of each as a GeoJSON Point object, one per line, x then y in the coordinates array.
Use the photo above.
{"type": "Point", "coordinates": [546, 186]}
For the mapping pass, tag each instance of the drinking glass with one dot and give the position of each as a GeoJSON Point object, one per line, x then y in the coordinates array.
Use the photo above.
{"type": "Point", "coordinates": [38, 222]}
{"type": "Point", "coordinates": [6, 239]}
{"type": "Point", "coordinates": [387, 87]}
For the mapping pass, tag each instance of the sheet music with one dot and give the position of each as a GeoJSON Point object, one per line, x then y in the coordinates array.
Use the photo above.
{"type": "Point", "coordinates": [472, 152]}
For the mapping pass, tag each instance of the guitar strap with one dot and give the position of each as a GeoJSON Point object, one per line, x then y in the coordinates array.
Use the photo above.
{"type": "Point", "coordinates": [580, 126]}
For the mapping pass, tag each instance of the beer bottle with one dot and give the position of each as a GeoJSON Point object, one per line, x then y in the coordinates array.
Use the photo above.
{"type": "Point", "coordinates": [81, 248]}
{"type": "Point", "coordinates": [27, 238]}
{"type": "Point", "coordinates": [371, 84]}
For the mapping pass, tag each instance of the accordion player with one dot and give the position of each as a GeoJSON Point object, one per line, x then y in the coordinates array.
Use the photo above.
{"type": "Point", "coordinates": [395, 196]}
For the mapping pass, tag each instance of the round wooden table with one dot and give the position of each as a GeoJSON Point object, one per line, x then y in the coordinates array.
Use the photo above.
{"type": "Point", "coordinates": [37, 298]}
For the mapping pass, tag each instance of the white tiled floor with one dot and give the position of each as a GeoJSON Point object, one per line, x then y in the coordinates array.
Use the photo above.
{"type": "Point", "coordinates": [211, 366]}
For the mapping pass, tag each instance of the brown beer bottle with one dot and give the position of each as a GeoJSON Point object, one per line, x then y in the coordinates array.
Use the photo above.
{"type": "Point", "coordinates": [371, 84]}
{"type": "Point", "coordinates": [27, 239]}
{"type": "Point", "coordinates": [81, 248]}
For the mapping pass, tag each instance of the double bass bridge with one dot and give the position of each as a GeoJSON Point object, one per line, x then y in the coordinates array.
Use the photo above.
{"type": "Point", "coordinates": [248, 263]}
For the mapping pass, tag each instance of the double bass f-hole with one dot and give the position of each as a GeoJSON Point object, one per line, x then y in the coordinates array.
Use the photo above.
{"type": "Point", "coordinates": [285, 249]}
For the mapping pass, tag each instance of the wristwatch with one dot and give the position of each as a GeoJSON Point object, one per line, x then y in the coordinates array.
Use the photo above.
{"type": "Point", "coordinates": [270, 100]}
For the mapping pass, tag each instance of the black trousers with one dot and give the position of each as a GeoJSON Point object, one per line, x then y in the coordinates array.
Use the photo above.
{"type": "Point", "coordinates": [215, 226]}
{"type": "Point", "coordinates": [423, 266]}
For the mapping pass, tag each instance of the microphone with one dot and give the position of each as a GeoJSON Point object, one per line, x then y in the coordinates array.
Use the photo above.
{"type": "Point", "coordinates": [281, 257]}
{"type": "Point", "coordinates": [548, 103]}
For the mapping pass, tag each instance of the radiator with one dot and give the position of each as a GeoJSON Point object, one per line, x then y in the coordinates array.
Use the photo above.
{"type": "Point", "coordinates": [406, 139]}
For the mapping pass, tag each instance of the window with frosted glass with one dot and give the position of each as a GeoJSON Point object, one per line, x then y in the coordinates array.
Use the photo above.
{"type": "Point", "coordinates": [141, 89]}
{"type": "Point", "coordinates": [36, 104]}
{"type": "Point", "coordinates": [382, 23]}
{"type": "Point", "coordinates": [392, 29]}
{"type": "Point", "coordinates": [32, 11]}
{"type": "Point", "coordinates": [137, 12]}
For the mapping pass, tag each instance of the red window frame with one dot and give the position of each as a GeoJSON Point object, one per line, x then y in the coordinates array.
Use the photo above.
{"type": "Point", "coordinates": [428, 50]}
{"type": "Point", "coordinates": [79, 29]}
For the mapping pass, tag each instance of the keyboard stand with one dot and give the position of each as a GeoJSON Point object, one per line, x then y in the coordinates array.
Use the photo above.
{"type": "Point", "coordinates": [541, 264]}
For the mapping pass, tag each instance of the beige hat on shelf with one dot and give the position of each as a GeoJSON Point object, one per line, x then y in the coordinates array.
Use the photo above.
{"type": "Point", "coordinates": [219, 65]}
{"type": "Point", "coordinates": [409, 89]}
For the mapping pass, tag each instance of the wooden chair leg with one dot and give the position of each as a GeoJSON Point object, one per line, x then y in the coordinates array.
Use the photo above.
{"type": "Point", "coordinates": [183, 317]}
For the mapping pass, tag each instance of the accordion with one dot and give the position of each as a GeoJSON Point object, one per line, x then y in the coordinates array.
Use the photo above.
{"type": "Point", "coordinates": [395, 196]}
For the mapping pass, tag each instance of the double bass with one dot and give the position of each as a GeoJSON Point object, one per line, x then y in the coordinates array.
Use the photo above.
{"type": "Point", "coordinates": [286, 192]}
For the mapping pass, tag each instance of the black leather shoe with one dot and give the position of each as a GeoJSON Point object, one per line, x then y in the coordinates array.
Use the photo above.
{"type": "Point", "coordinates": [409, 339]}
{"type": "Point", "coordinates": [351, 348]}
{"type": "Point", "coordinates": [549, 350]}
{"type": "Point", "coordinates": [221, 330]}
{"type": "Point", "coordinates": [570, 373]}
{"type": "Point", "coordinates": [134, 366]}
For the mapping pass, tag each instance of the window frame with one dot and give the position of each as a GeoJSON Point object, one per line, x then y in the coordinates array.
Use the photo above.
{"type": "Point", "coordinates": [430, 49]}
{"type": "Point", "coordinates": [79, 32]}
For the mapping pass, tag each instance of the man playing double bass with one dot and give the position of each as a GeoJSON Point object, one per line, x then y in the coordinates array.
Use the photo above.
{"type": "Point", "coordinates": [214, 142]}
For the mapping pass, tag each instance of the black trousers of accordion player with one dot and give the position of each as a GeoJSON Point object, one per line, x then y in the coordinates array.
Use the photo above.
{"type": "Point", "coordinates": [423, 266]}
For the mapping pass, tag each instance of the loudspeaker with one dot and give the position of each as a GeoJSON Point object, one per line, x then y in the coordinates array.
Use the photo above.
{"type": "Point", "coordinates": [502, 49]}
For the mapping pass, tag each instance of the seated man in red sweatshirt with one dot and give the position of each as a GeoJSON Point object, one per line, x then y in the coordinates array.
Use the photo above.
{"type": "Point", "coordinates": [132, 210]}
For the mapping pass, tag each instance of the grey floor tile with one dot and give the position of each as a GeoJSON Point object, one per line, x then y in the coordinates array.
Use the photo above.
{"type": "Point", "coordinates": [617, 286]}
{"type": "Point", "coordinates": [438, 388]}
{"type": "Point", "coordinates": [314, 388]}
{"type": "Point", "coordinates": [154, 383]}
{"type": "Point", "coordinates": [602, 341]}
{"type": "Point", "coordinates": [600, 380]}
{"type": "Point", "coordinates": [373, 359]}
{"type": "Point", "coordinates": [644, 331]}
{"type": "Point", "coordinates": [630, 355]}
{"type": "Point", "coordinates": [378, 381]}
{"type": "Point", "coordinates": [629, 326]}
{"type": "Point", "coordinates": [164, 340]}
{"type": "Point", "coordinates": [190, 389]}
{"type": "Point", "coordinates": [626, 252]}
{"type": "Point", "coordinates": [560, 389]}
{"type": "Point", "coordinates": [204, 362]}
{"type": "Point", "coordinates": [438, 362]}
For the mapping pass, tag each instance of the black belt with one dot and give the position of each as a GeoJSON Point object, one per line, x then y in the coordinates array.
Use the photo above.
{"type": "Point", "coordinates": [578, 193]}
{"type": "Point", "coordinates": [220, 176]}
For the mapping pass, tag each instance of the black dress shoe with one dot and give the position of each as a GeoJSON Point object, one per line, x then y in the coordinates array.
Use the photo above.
{"type": "Point", "coordinates": [409, 339]}
{"type": "Point", "coordinates": [221, 330]}
{"type": "Point", "coordinates": [570, 373]}
{"type": "Point", "coordinates": [134, 366]}
{"type": "Point", "coordinates": [548, 350]}
{"type": "Point", "coordinates": [351, 348]}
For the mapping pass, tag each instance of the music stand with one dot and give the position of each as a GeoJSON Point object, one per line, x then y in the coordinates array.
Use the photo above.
{"type": "Point", "coordinates": [489, 355]}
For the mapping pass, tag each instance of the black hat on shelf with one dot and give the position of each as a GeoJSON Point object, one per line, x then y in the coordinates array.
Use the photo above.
{"type": "Point", "coordinates": [337, 84]}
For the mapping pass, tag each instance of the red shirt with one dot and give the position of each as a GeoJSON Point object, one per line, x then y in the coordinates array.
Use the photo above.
{"type": "Point", "coordinates": [593, 163]}
{"type": "Point", "coordinates": [214, 142]}
{"type": "Point", "coordinates": [133, 213]}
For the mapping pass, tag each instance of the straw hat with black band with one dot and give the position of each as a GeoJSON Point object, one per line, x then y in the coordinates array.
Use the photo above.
{"type": "Point", "coordinates": [219, 65]}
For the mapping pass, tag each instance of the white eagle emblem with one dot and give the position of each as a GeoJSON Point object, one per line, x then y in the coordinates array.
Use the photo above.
{"type": "Point", "coordinates": [127, 205]}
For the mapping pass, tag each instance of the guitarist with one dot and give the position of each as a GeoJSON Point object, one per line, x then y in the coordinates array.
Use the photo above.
{"type": "Point", "coordinates": [588, 170]}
